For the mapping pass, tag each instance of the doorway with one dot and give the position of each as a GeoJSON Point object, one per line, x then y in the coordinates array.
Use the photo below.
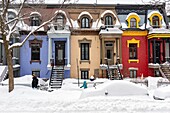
{"type": "Point", "coordinates": [60, 53]}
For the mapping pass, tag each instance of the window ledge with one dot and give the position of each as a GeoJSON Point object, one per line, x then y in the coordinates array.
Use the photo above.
{"type": "Point", "coordinates": [35, 61]}
{"type": "Point", "coordinates": [84, 61]}
{"type": "Point", "coordinates": [133, 60]}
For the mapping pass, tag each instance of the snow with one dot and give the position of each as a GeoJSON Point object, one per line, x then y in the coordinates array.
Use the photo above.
{"type": "Point", "coordinates": [100, 1]}
{"type": "Point", "coordinates": [115, 88]}
{"type": "Point", "coordinates": [85, 13]}
{"type": "Point", "coordinates": [24, 99]}
{"type": "Point", "coordinates": [35, 13]}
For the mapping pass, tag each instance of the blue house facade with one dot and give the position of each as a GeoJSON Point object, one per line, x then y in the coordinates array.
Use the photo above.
{"type": "Point", "coordinates": [34, 56]}
{"type": "Point", "coordinates": [47, 47]}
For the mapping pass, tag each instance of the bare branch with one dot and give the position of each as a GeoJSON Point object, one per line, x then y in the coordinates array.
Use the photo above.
{"type": "Point", "coordinates": [14, 25]}
{"type": "Point", "coordinates": [26, 38]}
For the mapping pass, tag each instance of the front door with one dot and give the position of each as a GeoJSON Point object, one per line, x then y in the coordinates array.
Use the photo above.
{"type": "Point", "coordinates": [109, 52]}
{"type": "Point", "coordinates": [157, 52]}
{"type": "Point", "coordinates": [60, 52]}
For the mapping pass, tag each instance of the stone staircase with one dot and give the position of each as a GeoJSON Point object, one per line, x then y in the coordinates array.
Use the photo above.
{"type": "Point", "coordinates": [115, 74]}
{"type": "Point", "coordinates": [166, 70]}
{"type": "Point", "coordinates": [56, 79]}
{"type": "Point", "coordinates": [3, 72]}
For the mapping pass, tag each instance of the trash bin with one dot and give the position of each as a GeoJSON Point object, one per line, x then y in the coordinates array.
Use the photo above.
{"type": "Point", "coordinates": [52, 62]}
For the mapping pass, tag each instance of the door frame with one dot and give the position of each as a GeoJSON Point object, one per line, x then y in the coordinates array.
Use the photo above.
{"type": "Point", "coordinates": [56, 53]}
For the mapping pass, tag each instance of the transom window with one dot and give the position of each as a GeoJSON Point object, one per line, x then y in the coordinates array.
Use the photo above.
{"type": "Point", "coordinates": [133, 23]}
{"type": "Point", "coordinates": [59, 22]}
{"type": "Point", "coordinates": [155, 22]}
{"type": "Point", "coordinates": [84, 51]}
{"type": "Point", "coordinates": [108, 21]}
{"type": "Point", "coordinates": [85, 23]}
{"type": "Point", "coordinates": [84, 74]}
{"type": "Point", "coordinates": [35, 20]}
{"type": "Point", "coordinates": [132, 51]}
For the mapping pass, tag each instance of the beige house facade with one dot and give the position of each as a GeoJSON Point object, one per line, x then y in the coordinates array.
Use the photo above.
{"type": "Point", "coordinates": [95, 40]}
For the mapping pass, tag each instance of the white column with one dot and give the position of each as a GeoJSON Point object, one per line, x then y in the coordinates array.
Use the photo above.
{"type": "Point", "coordinates": [68, 50]}
{"type": "Point", "coordinates": [49, 51]}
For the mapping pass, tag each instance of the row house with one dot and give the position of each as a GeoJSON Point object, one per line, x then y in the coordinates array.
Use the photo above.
{"type": "Point", "coordinates": [101, 40]}
{"type": "Point", "coordinates": [15, 52]}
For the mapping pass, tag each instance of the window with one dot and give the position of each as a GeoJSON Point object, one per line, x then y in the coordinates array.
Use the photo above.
{"type": "Point", "coordinates": [35, 52]}
{"type": "Point", "coordinates": [108, 21]}
{"type": "Point", "coordinates": [35, 20]}
{"type": "Point", "coordinates": [133, 20]}
{"type": "Point", "coordinates": [11, 16]}
{"type": "Point", "coordinates": [85, 22]}
{"type": "Point", "coordinates": [133, 73]}
{"type": "Point", "coordinates": [155, 22]}
{"type": "Point", "coordinates": [36, 73]}
{"type": "Point", "coordinates": [84, 74]}
{"type": "Point", "coordinates": [132, 51]}
{"type": "Point", "coordinates": [35, 46]}
{"type": "Point", "coordinates": [133, 23]}
{"type": "Point", "coordinates": [84, 51]}
{"type": "Point", "coordinates": [59, 22]}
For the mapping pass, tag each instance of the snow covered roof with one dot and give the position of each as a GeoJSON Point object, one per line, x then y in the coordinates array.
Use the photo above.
{"type": "Point", "coordinates": [132, 14]}
{"type": "Point", "coordinates": [159, 30]}
{"type": "Point", "coordinates": [85, 13]}
{"type": "Point", "coordinates": [154, 12]}
{"type": "Point", "coordinates": [35, 13]}
{"type": "Point", "coordinates": [114, 30]}
{"type": "Point", "coordinates": [135, 2]}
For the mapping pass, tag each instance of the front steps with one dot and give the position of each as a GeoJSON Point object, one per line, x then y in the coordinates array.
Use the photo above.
{"type": "Point", "coordinates": [166, 70]}
{"type": "Point", "coordinates": [56, 79]}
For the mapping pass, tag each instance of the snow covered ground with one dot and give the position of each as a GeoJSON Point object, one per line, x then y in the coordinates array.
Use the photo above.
{"type": "Point", "coordinates": [135, 98]}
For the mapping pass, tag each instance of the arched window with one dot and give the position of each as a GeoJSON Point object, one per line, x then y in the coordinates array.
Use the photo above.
{"type": "Point", "coordinates": [108, 21]}
{"type": "Point", "coordinates": [85, 22]}
{"type": "Point", "coordinates": [59, 22]}
{"type": "Point", "coordinates": [35, 20]}
{"type": "Point", "coordinates": [155, 22]}
{"type": "Point", "coordinates": [133, 23]}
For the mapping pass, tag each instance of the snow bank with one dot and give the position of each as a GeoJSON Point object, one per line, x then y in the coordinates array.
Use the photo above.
{"type": "Point", "coordinates": [115, 88]}
{"type": "Point", "coordinates": [162, 92]}
{"type": "Point", "coordinates": [25, 80]}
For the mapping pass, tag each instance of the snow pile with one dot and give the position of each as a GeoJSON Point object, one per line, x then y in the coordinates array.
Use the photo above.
{"type": "Point", "coordinates": [24, 99]}
{"type": "Point", "coordinates": [115, 88]}
{"type": "Point", "coordinates": [25, 81]}
{"type": "Point", "coordinates": [162, 92]}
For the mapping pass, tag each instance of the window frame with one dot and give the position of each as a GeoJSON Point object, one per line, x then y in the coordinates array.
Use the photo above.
{"type": "Point", "coordinates": [133, 23]}
{"type": "Point", "coordinates": [155, 22]}
{"type": "Point", "coordinates": [108, 21]}
{"type": "Point", "coordinates": [86, 23]}
{"type": "Point", "coordinates": [35, 20]}
{"type": "Point", "coordinates": [59, 22]}
{"type": "Point", "coordinates": [33, 43]}
{"type": "Point", "coordinates": [133, 73]}
{"type": "Point", "coordinates": [133, 51]}
{"type": "Point", "coordinates": [84, 74]}
{"type": "Point", "coordinates": [84, 51]}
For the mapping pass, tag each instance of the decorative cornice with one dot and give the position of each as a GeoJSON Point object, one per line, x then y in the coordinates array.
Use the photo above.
{"type": "Point", "coordinates": [134, 33]}
{"type": "Point", "coordinates": [133, 41]}
{"type": "Point", "coordinates": [158, 36]}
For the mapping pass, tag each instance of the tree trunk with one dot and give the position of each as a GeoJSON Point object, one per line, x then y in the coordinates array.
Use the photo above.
{"type": "Point", "coordinates": [10, 65]}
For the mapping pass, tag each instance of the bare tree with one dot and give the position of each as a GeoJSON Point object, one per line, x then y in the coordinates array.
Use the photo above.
{"type": "Point", "coordinates": [8, 28]}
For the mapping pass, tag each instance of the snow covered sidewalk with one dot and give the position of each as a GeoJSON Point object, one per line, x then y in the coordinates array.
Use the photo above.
{"type": "Point", "coordinates": [24, 99]}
